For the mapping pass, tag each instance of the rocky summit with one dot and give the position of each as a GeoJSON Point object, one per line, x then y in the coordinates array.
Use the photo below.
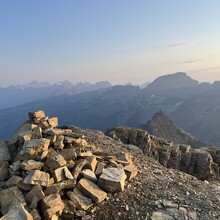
{"type": "Point", "coordinates": [72, 173]}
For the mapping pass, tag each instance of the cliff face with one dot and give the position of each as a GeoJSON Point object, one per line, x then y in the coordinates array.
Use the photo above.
{"type": "Point", "coordinates": [161, 126]}
{"type": "Point", "coordinates": [202, 163]}
{"type": "Point", "coordinates": [69, 172]}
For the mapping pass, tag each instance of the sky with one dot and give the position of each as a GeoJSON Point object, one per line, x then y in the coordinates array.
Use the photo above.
{"type": "Point", "coordinates": [120, 41]}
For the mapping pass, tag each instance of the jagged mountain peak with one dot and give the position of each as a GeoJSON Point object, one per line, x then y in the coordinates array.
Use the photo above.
{"type": "Point", "coordinates": [162, 126]}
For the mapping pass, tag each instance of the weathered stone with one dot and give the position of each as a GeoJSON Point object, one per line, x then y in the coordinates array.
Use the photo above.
{"type": "Point", "coordinates": [4, 169]}
{"type": "Point", "coordinates": [53, 122]}
{"type": "Point", "coordinates": [56, 162]}
{"type": "Point", "coordinates": [14, 181]}
{"type": "Point", "coordinates": [78, 167]}
{"type": "Point", "coordinates": [17, 212]}
{"type": "Point", "coordinates": [113, 163]}
{"type": "Point", "coordinates": [59, 142]}
{"type": "Point", "coordinates": [24, 187]}
{"type": "Point", "coordinates": [10, 195]}
{"type": "Point", "coordinates": [36, 114]}
{"type": "Point", "coordinates": [37, 177]}
{"type": "Point", "coordinates": [131, 171]}
{"type": "Point", "coordinates": [44, 123]}
{"type": "Point", "coordinates": [68, 212]}
{"type": "Point", "coordinates": [15, 166]}
{"type": "Point", "coordinates": [80, 213]}
{"type": "Point", "coordinates": [124, 158]}
{"type": "Point", "coordinates": [79, 142]}
{"type": "Point", "coordinates": [89, 175]}
{"type": "Point", "coordinates": [91, 190]}
{"type": "Point", "coordinates": [68, 154]}
{"type": "Point", "coordinates": [84, 154]}
{"type": "Point", "coordinates": [4, 152]}
{"type": "Point", "coordinates": [35, 191]}
{"type": "Point", "coordinates": [53, 131]}
{"type": "Point", "coordinates": [51, 205]}
{"type": "Point", "coordinates": [112, 179]}
{"type": "Point", "coordinates": [34, 149]}
{"type": "Point", "coordinates": [37, 133]}
{"type": "Point", "coordinates": [91, 163]}
{"type": "Point", "coordinates": [35, 214]}
{"type": "Point", "coordinates": [54, 188]}
{"type": "Point", "coordinates": [79, 199]}
{"type": "Point", "coordinates": [31, 165]}
{"type": "Point", "coordinates": [100, 167]}
{"type": "Point", "coordinates": [61, 174]}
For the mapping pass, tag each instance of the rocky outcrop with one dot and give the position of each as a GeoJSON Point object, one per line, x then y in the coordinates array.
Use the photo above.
{"type": "Point", "coordinates": [52, 173]}
{"type": "Point", "coordinates": [202, 163]}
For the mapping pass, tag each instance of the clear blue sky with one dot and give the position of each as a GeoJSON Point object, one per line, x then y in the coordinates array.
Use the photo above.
{"type": "Point", "coordinates": [117, 40]}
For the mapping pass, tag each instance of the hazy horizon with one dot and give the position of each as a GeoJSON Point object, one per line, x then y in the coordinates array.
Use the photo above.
{"type": "Point", "coordinates": [119, 41]}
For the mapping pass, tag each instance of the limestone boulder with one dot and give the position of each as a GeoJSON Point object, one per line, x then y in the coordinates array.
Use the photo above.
{"type": "Point", "coordinates": [17, 211]}
{"type": "Point", "coordinates": [37, 177]}
{"type": "Point", "coordinates": [51, 205]}
{"type": "Point", "coordinates": [112, 179]}
{"type": "Point", "coordinates": [90, 189]}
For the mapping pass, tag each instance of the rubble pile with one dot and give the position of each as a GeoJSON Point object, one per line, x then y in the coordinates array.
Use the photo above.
{"type": "Point", "coordinates": [51, 173]}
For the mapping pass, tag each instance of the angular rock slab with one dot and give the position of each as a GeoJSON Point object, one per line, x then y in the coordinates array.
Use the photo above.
{"type": "Point", "coordinates": [79, 199]}
{"type": "Point", "coordinates": [90, 189]}
{"type": "Point", "coordinates": [17, 212]}
{"type": "Point", "coordinates": [34, 149]}
{"type": "Point", "coordinates": [4, 152]}
{"type": "Point", "coordinates": [36, 114]}
{"type": "Point", "coordinates": [62, 174]}
{"type": "Point", "coordinates": [37, 177]}
{"type": "Point", "coordinates": [31, 165]}
{"type": "Point", "coordinates": [4, 168]}
{"type": "Point", "coordinates": [112, 179]}
{"type": "Point", "coordinates": [51, 205]}
{"type": "Point", "coordinates": [56, 162]}
{"type": "Point", "coordinates": [10, 195]}
{"type": "Point", "coordinates": [89, 175]}
{"type": "Point", "coordinates": [131, 171]}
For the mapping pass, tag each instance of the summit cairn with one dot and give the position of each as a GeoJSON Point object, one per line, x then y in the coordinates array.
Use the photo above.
{"type": "Point", "coordinates": [53, 173]}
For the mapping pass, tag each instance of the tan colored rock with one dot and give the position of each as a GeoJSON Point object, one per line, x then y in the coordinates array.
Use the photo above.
{"type": "Point", "coordinates": [4, 170]}
{"type": "Point", "coordinates": [56, 162]}
{"type": "Point", "coordinates": [89, 175]}
{"type": "Point", "coordinates": [131, 171]}
{"type": "Point", "coordinates": [84, 154]}
{"type": "Point", "coordinates": [53, 122]}
{"type": "Point", "coordinates": [61, 174]}
{"type": "Point", "coordinates": [17, 212]}
{"type": "Point", "coordinates": [100, 167]}
{"type": "Point", "coordinates": [24, 187]}
{"type": "Point", "coordinates": [10, 195]}
{"type": "Point", "coordinates": [90, 189]}
{"type": "Point", "coordinates": [91, 163]}
{"type": "Point", "coordinates": [51, 205]}
{"type": "Point", "coordinates": [37, 177]}
{"type": "Point", "coordinates": [112, 179]}
{"type": "Point", "coordinates": [14, 181]}
{"type": "Point", "coordinates": [36, 114]}
{"type": "Point", "coordinates": [79, 199]}
{"type": "Point", "coordinates": [44, 123]}
{"type": "Point", "coordinates": [59, 142]}
{"type": "Point", "coordinates": [31, 165]}
{"type": "Point", "coordinates": [34, 149]}
{"type": "Point", "coordinates": [79, 142]}
{"type": "Point", "coordinates": [4, 152]}
{"type": "Point", "coordinates": [68, 154]}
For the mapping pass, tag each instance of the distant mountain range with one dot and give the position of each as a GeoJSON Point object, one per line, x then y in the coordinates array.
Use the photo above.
{"type": "Point", "coordinates": [20, 94]}
{"type": "Point", "coordinates": [193, 106]}
{"type": "Point", "coordinates": [162, 126]}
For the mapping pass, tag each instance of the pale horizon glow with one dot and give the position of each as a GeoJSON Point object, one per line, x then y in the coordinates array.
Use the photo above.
{"type": "Point", "coordinates": [119, 41]}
